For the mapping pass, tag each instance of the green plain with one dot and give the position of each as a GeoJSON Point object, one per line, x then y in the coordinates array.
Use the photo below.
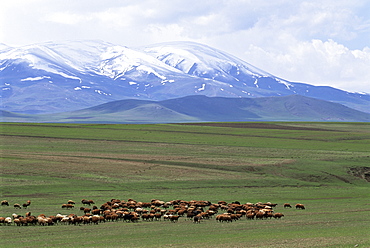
{"type": "Point", "coordinates": [322, 165]}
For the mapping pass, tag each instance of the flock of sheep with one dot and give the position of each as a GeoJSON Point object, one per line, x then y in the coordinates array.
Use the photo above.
{"type": "Point", "coordinates": [155, 210]}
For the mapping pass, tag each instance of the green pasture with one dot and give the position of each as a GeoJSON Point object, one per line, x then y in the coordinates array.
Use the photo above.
{"type": "Point", "coordinates": [322, 165]}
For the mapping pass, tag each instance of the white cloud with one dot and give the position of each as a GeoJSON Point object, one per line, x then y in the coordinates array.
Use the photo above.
{"type": "Point", "coordinates": [318, 63]}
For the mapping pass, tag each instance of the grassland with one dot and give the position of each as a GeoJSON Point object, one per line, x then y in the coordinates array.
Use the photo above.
{"type": "Point", "coordinates": [309, 163]}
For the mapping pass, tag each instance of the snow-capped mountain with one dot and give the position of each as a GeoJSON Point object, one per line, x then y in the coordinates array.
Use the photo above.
{"type": "Point", "coordinates": [56, 77]}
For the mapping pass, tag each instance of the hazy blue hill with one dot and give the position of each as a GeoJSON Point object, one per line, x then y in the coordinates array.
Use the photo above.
{"type": "Point", "coordinates": [202, 108]}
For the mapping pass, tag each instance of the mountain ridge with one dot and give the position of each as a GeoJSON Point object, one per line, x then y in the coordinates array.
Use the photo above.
{"type": "Point", "coordinates": [57, 77]}
{"type": "Point", "coordinates": [198, 108]}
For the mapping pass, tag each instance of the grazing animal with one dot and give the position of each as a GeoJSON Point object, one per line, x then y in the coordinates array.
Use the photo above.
{"type": "Point", "coordinates": [95, 211]}
{"type": "Point", "coordinates": [4, 203]}
{"type": "Point", "coordinates": [87, 210]}
{"type": "Point", "coordinates": [250, 216]}
{"type": "Point", "coordinates": [278, 215]}
{"type": "Point", "coordinates": [95, 219]}
{"type": "Point", "coordinates": [224, 217]}
{"type": "Point", "coordinates": [25, 205]}
{"type": "Point", "coordinates": [67, 206]}
{"type": "Point", "coordinates": [287, 205]}
{"type": "Point", "coordinates": [197, 218]}
{"type": "Point", "coordinates": [16, 205]}
{"type": "Point", "coordinates": [87, 202]}
{"type": "Point", "coordinates": [260, 215]}
{"type": "Point", "coordinates": [174, 218]}
{"type": "Point", "coordinates": [299, 206]}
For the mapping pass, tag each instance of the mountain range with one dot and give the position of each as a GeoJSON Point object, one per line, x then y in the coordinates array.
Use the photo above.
{"type": "Point", "coordinates": [50, 78]}
{"type": "Point", "coordinates": [201, 108]}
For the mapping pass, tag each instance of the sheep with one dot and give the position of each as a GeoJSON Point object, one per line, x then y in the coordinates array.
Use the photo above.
{"type": "Point", "coordinates": [4, 203]}
{"type": "Point", "coordinates": [68, 206]}
{"type": "Point", "coordinates": [17, 222]}
{"type": "Point", "coordinates": [299, 206]}
{"type": "Point", "coordinates": [250, 216]}
{"type": "Point", "coordinates": [224, 217]}
{"type": "Point", "coordinates": [287, 205]}
{"type": "Point", "coordinates": [95, 211]}
{"type": "Point", "coordinates": [197, 218]}
{"type": "Point", "coordinates": [87, 202]}
{"type": "Point", "coordinates": [87, 210]}
{"type": "Point", "coordinates": [86, 220]}
{"type": "Point", "coordinates": [174, 218]}
{"type": "Point", "coordinates": [157, 216]}
{"type": "Point", "coordinates": [95, 219]}
{"type": "Point", "coordinates": [8, 220]}
{"type": "Point", "coordinates": [16, 205]}
{"type": "Point", "coordinates": [278, 215]}
{"type": "Point", "coordinates": [260, 215]}
{"type": "Point", "coordinates": [167, 216]}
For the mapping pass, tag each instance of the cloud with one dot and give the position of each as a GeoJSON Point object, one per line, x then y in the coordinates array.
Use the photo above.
{"type": "Point", "coordinates": [317, 62]}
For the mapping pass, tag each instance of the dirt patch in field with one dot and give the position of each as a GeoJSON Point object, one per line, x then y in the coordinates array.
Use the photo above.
{"type": "Point", "coordinates": [256, 125]}
{"type": "Point", "coordinates": [361, 172]}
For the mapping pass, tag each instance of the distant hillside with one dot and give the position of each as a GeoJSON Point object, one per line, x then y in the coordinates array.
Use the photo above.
{"type": "Point", "coordinates": [205, 109]}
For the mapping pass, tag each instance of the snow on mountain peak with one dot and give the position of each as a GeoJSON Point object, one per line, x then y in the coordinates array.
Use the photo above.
{"type": "Point", "coordinates": [197, 59]}
{"type": "Point", "coordinates": [118, 60]}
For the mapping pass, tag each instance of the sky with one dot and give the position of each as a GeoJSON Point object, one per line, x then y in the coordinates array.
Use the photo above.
{"type": "Point", "coordinates": [319, 42]}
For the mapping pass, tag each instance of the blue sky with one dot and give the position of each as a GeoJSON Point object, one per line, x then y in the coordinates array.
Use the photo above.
{"type": "Point", "coordinates": [321, 42]}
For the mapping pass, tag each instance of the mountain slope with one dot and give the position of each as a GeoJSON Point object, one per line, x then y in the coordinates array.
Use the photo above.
{"type": "Point", "coordinates": [57, 77]}
{"type": "Point", "coordinates": [205, 109]}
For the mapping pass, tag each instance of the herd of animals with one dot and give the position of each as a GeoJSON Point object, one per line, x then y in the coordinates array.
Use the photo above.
{"type": "Point", "coordinates": [155, 210]}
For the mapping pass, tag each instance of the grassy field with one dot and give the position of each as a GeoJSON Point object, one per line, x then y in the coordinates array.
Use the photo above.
{"type": "Point", "coordinates": [321, 165]}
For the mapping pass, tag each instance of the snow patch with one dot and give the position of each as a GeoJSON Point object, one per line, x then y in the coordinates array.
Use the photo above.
{"type": "Point", "coordinates": [102, 93]}
{"type": "Point", "coordinates": [34, 78]}
{"type": "Point", "coordinates": [202, 88]}
{"type": "Point", "coordinates": [287, 85]}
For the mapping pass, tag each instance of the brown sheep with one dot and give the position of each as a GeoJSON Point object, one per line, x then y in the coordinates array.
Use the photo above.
{"type": "Point", "coordinates": [95, 211]}
{"type": "Point", "coordinates": [87, 202]}
{"type": "Point", "coordinates": [174, 218]}
{"type": "Point", "coordinates": [287, 205]}
{"type": "Point", "coordinates": [87, 210]}
{"type": "Point", "coordinates": [67, 206]}
{"type": "Point", "coordinates": [260, 215]}
{"type": "Point", "coordinates": [95, 219]}
{"type": "Point", "coordinates": [224, 217]}
{"type": "Point", "coordinates": [197, 219]}
{"type": "Point", "coordinates": [157, 216]}
{"type": "Point", "coordinates": [250, 216]}
{"type": "Point", "coordinates": [4, 203]}
{"type": "Point", "coordinates": [25, 205]}
{"type": "Point", "coordinates": [299, 206]}
{"type": "Point", "coordinates": [278, 215]}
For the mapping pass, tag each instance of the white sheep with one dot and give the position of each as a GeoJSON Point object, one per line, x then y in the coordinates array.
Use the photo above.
{"type": "Point", "coordinates": [8, 220]}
